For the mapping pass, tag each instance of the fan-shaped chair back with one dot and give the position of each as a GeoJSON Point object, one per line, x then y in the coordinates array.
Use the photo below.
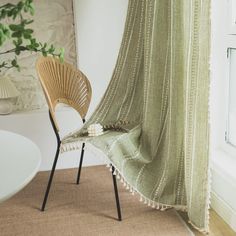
{"type": "Point", "coordinates": [62, 83]}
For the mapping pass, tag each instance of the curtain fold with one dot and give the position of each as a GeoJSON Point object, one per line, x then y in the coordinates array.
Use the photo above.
{"type": "Point", "coordinates": [159, 94]}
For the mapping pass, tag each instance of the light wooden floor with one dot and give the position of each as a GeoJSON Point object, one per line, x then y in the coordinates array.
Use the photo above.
{"type": "Point", "coordinates": [217, 226]}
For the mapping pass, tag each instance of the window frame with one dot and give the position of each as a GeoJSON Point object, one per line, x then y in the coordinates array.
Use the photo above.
{"type": "Point", "coordinates": [231, 17]}
{"type": "Point", "coordinates": [228, 146]}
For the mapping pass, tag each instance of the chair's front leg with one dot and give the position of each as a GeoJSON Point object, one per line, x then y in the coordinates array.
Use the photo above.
{"type": "Point", "coordinates": [116, 194]}
{"type": "Point", "coordinates": [51, 177]}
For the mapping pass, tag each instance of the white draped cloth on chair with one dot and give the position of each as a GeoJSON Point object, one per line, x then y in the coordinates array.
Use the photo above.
{"type": "Point", "coordinates": [155, 108]}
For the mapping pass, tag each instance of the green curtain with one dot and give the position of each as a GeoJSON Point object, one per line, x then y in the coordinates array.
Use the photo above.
{"type": "Point", "coordinates": [156, 106]}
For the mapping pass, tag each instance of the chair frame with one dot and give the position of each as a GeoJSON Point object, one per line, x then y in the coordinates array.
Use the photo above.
{"type": "Point", "coordinates": [56, 131]}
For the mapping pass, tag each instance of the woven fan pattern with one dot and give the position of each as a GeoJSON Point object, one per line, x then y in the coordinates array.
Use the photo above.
{"type": "Point", "coordinates": [62, 83]}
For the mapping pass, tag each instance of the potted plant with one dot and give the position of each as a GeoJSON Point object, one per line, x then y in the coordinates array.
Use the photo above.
{"type": "Point", "coordinates": [16, 37]}
{"type": "Point", "coordinates": [16, 32]}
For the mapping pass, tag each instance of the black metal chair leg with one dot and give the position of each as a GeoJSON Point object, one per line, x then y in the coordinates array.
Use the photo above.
{"type": "Point", "coordinates": [50, 178]}
{"type": "Point", "coordinates": [116, 194]}
{"type": "Point", "coordinates": [54, 163]}
{"type": "Point", "coordinates": [80, 163]}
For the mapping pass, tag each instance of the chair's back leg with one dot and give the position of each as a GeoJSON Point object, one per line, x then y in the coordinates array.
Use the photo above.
{"type": "Point", "coordinates": [54, 163]}
{"type": "Point", "coordinates": [81, 160]}
{"type": "Point", "coordinates": [80, 163]}
{"type": "Point", "coordinates": [116, 194]}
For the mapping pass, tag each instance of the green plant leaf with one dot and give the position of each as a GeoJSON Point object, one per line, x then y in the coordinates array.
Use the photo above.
{"type": "Point", "coordinates": [28, 22]}
{"type": "Point", "coordinates": [14, 62]}
{"type": "Point", "coordinates": [28, 31]}
{"type": "Point", "coordinates": [17, 52]}
{"type": "Point", "coordinates": [17, 34]}
{"type": "Point", "coordinates": [61, 55]}
{"type": "Point", "coordinates": [44, 45]}
{"type": "Point", "coordinates": [19, 41]}
{"type": "Point", "coordinates": [14, 27]}
{"type": "Point", "coordinates": [27, 36]}
{"type": "Point", "coordinates": [3, 14]}
{"type": "Point", "coordinates": [44, 53]}
{"type": "Point", "coordinates": [20, 5]}
{"type": "Point", "coordinates": [31, 10]}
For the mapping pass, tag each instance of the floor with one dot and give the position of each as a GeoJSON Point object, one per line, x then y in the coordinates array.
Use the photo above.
{"type": "Point", "coordinates": [217, 226]}
{"type": "Point", "coordinates": [89, 209]}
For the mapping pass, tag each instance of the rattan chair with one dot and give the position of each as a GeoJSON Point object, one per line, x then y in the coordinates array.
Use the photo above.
{"type": "Point", "coordinates": [62, 83]}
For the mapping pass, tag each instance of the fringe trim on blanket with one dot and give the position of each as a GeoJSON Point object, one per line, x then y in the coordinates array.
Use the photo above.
{"type": "Point", "coordinates": [65, 147]}
{"type": "Point", "coordinates": [204, 231]}
{"type": "Point", "coordinates": [88, 146]}
{"type": "Point", "coordinates": [207, 231]}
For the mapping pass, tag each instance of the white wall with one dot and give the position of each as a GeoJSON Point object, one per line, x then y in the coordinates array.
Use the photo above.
{"type": "Point", "coordinates": [223, 157]}
{"type": "Point", "coordinates": [99, 27]}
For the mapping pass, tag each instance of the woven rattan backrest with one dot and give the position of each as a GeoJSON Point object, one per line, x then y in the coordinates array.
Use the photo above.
{"type": "Point", "coordinates": [62, 83]}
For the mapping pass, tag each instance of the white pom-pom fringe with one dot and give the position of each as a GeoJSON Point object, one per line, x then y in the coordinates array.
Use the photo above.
{"type": "Point", "coordinates": [77, 145]}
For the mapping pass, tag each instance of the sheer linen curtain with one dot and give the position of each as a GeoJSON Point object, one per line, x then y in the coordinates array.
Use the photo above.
{"type": "Point", "coordinates": [159, 94]}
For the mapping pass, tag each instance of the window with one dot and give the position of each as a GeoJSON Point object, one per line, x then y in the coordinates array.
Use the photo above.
{"type": "Point", "coordinates": [230, 136]}
{"type": "Point", "coordinates": [232, 16]}
{"type": "Point", "coordinates": [231, 121]}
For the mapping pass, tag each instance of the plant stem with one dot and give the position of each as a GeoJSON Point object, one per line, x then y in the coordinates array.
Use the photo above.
{"type": "Point", "coordinates": [6, 5]}
{"type": "Point", "coordinates": [7, 67]}
{"type": "Point", "coordinates": [8, 51]}
{"type": "Point", "coordinates": [26, 49]}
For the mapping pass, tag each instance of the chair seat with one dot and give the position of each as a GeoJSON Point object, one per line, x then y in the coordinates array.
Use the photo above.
{"type": "Point", "coordinates": [72, 141]}
{"type": "Point", "coordinates": [107, 137]}
{"type": "Point", "coordinates": [111, 144]}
